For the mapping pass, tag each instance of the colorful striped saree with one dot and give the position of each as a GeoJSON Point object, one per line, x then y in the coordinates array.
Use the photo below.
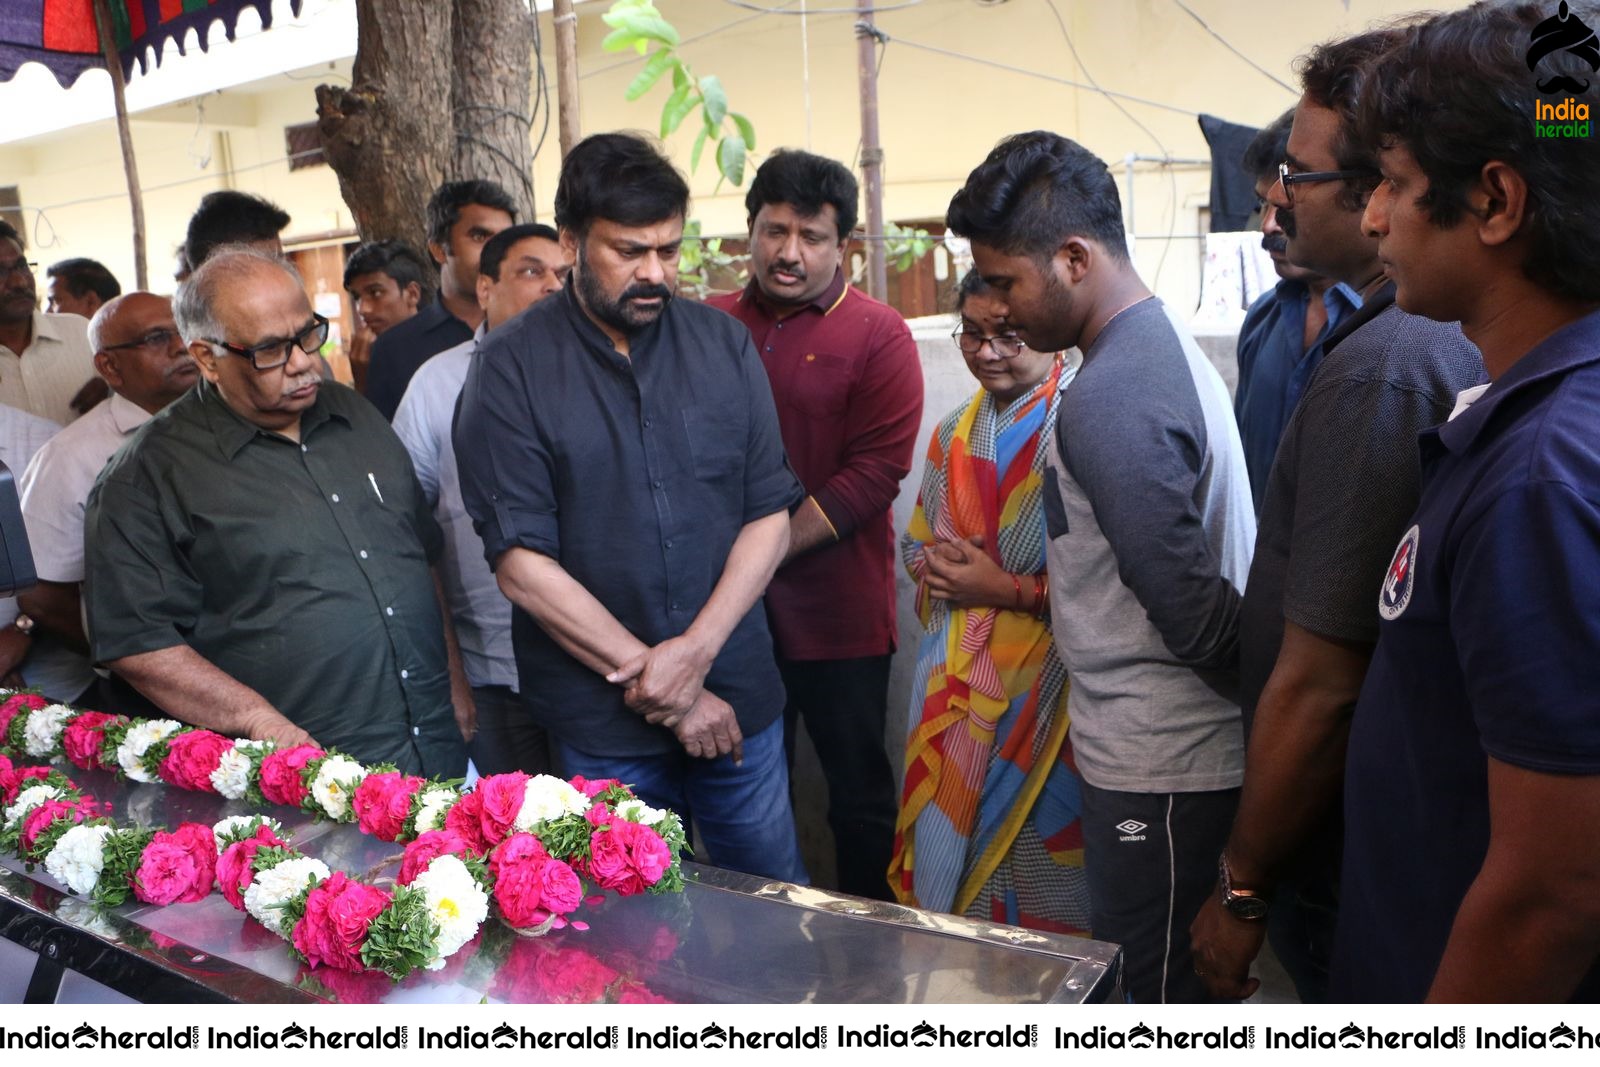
{"type": "Point", "coordinates": [988, 823]}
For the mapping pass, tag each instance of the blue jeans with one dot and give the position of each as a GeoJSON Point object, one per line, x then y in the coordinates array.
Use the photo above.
{"type": "Point", "coordinates": [742, 813]}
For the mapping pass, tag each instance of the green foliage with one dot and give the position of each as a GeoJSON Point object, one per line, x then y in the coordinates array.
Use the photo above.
{"type": "Point", "coordinates": [699, 258]}
{"type": "Point", "coordinates": [904, 245]}
{"type": "Point", "coordinates": [566, 838]}
{"type": "Point", "coordinates": [402, 937]}
{"type": "Point", "coordinates": [123, 850]}
{"type": "Point", "coordinates": [636, 24]}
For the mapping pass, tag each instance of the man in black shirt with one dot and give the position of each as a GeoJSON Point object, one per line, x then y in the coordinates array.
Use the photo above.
{"type": "Point", "coordinates": [461, 217]}
{"type": "Point", "coordinates": [257, 555]}
{"type": "Point", "coordinates": [620, 456]}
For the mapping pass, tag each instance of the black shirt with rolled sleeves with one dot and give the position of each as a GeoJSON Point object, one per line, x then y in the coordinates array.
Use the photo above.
{"type": "Point", "coordinates": [635, 473]}
{"type": "Point", "coordinates": [299, 569]}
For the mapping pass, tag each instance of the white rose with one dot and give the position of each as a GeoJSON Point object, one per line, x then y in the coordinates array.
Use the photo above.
{"type": "Point", "coordinates": [336, 780]}
{"type": "Point", "coordinates": [140, 736]}
{"type": "Point", "coordinates": [236, 824]}
{"type": "Point", "coordinates": [456, 901]}
{"type": "Point", "coordinates": [272, 887]}
{"type": "Point", "coordinates": [78, 857]}
{"type": "Point", "coordinates": [29, 799]}
{"type": "Point", "coordinates": [232, 774]}
{"type": "Point", "coordinates": [41, 734]}
{"type": "Point", "coordinates": [635, 810]}
{"type": "Point", "coordinates": [435, 804]}
{"type": "Point", "coordinates": [547, 797]}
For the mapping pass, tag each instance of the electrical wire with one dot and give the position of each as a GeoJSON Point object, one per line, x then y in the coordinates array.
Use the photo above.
{"type": "Point", "coordinates": [781, 9]}
{"type": "Point", "coordinates": [823, 10]}
{"type": "Point", "coordinates": [1229, 46]}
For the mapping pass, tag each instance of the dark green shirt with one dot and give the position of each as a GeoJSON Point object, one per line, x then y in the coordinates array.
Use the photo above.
{"type": "Point", "coordinates": [300, 569]}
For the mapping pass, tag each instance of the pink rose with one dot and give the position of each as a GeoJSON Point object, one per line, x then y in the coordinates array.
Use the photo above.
{"type": "Point", "coordinates": [8, 776]}
{"type": "Point", "coordinates": [518, 868]}
{"type": "Point", "coordinates": [500, 798]}
{"type": "Point", "coordinates": [428, 847]}
{"type": "Point", "coordinates": [382, 802]}
{"type": "Point", "coordinates": [573, 976]}
{"type": "Point", "coordinates": [191, 757]}
{"type": "Point", "coordinates": [43, 815]}
{"type": "Point", "coordinates": [334, 927]}
{"type": "Point", "coordinates": [648, 853]}
{"type": "Point", "coordinates": [235, 870]}
{"type": "Point", "coordinates": [609, 864]}
{"type": "Point", "coordinates": [560, 891]}
{"type": "Point", "coordinates": [465, 818]}
{"type": "Point", "coordinates": [82, 738]}
{"type": "Point", "coordinates": [592, 787]}
{"type": "Point", "coordinates": [20, 778]}
{"type": "Point", "coordinates": [280, 774]}
{"type": "Point", "coordinates": [600, 815]}
{"type": "Point", "coordinates": [177, 867]}
{"type": "Point", "coordinates": [14, 704]}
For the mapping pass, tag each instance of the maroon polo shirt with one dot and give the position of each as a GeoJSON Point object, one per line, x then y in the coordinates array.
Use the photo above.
{"type": "Point", "coordinates": [848, 385]}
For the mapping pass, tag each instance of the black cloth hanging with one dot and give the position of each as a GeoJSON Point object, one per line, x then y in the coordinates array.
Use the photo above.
{"type": "Point", "coordinates": [1233, 192]}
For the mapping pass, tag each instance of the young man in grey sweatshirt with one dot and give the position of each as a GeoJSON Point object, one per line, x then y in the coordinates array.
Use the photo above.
{"type": "Point", "coordinates": [1150, 526]}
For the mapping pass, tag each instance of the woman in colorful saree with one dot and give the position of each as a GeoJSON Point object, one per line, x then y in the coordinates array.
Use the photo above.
{"type": "Point", "coordinates": [988, 823]}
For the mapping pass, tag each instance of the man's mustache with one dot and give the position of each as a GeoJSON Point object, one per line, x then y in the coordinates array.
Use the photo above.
{"type": "Point", "coordinates": [646, 292]}
{"type": "Point", "coordinates": [1275, 243]}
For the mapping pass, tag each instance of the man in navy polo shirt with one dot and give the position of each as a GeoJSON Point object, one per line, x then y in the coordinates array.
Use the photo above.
{"type": "Point", "coordinates": [1472, 856]}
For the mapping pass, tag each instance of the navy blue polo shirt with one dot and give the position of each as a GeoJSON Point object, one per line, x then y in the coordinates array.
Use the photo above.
{"type": "Point", "coordinates": [1489, 647]}
{"type": "Point", "coordinates": [636, 473]}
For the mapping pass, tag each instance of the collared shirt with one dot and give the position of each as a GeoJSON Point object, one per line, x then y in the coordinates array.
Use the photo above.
{"type": "Point", "coordinates": [1489, 648]}
{"type": "Point", "coordinates": [481, 612]}
{"type": "Point", "coordinates": [300, 569]}
{"type": "Point", "coordinates": [1275, 365]}
{"type": "Point", "coordinates": [55, 488]}
{"type": "Point", "coordinates": [636, 474]}
{"type": "Point", "coordinates": [400, 350]}
{"type": "Point", "coordinates": [847, 382]}
{"type": "Point", "coordinates": [46, 375]}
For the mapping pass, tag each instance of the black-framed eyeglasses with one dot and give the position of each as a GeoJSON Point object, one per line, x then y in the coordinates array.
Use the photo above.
{"type": "Point", "coordinates": [270, 355]}
{"type": "Point", "coordinates": [1004, 345]}
{"type": "Point", "coordinates": [1310, 177]}
{"type": "Point", "coordinates": [159, 338]}
{"type": "Point", "coordinates": [18, 266]}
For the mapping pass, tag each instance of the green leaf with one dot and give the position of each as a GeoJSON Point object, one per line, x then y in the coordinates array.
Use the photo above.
{"type": "Point", "coordinates": [699, 145]}
{"type": "Point", "coordinates": [655, 28]}
{"type": "Point", "coordinates": [746, 130]}
{"type": "Point", "coordinates": [716, 99]}
{"type": "Point", "coordinates": [618, 40]}
{"type": "Point", "coordinates": [730, 158]}
{"type": "Point", "coordinates": [657, 66]}
{"type": "Point", "coordinates": [680, 76]}
{"type": "Point", "coordinates": [677, 108]}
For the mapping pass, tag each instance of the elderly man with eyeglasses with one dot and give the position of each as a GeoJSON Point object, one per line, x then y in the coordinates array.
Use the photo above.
{"type": "Point", "coordinates": [258, 555]}
{"type": "Point", "coordinates": [141, 357]}
{"type": "Point", "coordinates": [44, 358]}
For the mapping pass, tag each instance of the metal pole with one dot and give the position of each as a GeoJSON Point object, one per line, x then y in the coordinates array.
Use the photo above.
{"type": "Point", "coordinates": [130, 166]}
{"type": "Point", "coordinates": [566, 24]}
{"type": "Point", "coordinates": [871, 150]}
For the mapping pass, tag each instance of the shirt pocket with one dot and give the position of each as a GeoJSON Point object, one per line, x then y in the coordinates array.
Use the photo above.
{"type": "Point", "coordinates": [716, 441]}
{"type": "Point", "coordinates": [820, 385]}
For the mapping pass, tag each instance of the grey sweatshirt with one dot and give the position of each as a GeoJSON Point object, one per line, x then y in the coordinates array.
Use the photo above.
{"type": "Point", "coordinates": [1151, 525]}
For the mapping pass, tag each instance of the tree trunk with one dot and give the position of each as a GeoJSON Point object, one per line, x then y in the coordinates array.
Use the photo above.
{"type": "Point", "coordinates": [389, 136]}
{"type": "Point", "coordinates": [492, 44]}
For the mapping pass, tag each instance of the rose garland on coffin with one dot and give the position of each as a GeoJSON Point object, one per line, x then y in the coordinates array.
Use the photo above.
{"type": "Point", "coordinates": [598, 827]}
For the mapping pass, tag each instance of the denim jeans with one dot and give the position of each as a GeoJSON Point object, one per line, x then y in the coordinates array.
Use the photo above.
{"type": "Point", "coordinates": [741, 812]}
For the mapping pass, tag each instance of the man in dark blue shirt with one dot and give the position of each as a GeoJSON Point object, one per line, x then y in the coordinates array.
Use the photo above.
{"type": "Point", "coordinates": [1472, 857]}
{"type": "Point", "coordinates": [461, 217]}
{"type": "Point", "coordinates": [620, 456]}
{"type": "Point", "coordinates": [1282, 339]}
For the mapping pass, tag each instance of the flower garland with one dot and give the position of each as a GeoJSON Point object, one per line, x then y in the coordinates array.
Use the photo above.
{"type": "Point", "coordinates": [524, 843]}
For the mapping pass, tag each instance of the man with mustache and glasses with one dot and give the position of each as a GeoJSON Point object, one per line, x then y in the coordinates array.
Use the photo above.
{"type": "Point", "coordinates": [257, 555]}
{"type": "Point", "coordinates": [848, 385]}
{"type": "Point", "coordinates": [44, 358]}
{"type": "Point", "coordinates": [141, 357]}
{"type": "Point", "coordinates": [1338, 498]}
{"type": "Point", "coordinates": [1280, 343]}
{"type": "Point", "coordinates": [620, 457]}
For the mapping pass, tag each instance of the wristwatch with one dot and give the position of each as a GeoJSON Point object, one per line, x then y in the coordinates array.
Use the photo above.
{"type": "Point", "coordinates": [1248, 905]}
{"type": "Point", "coordinates": [24, 625]}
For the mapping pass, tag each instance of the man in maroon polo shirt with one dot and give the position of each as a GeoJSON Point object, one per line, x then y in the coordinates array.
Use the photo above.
{"type": "Point", "coordinates": [848, 385]}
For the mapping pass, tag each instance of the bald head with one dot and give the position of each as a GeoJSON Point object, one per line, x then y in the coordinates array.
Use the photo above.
{"type": "Point", "coordinates": [205, 298]}
{"type": "Point", "coordinates": [138, 350]}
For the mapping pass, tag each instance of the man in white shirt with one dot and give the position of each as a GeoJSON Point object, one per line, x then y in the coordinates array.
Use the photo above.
{"type": "Point", "coordinates": [141, 357]}
{"type": "Point", "coordinates": [44, 359]}
{"type": "Point", "coordinates": [518, 267]}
